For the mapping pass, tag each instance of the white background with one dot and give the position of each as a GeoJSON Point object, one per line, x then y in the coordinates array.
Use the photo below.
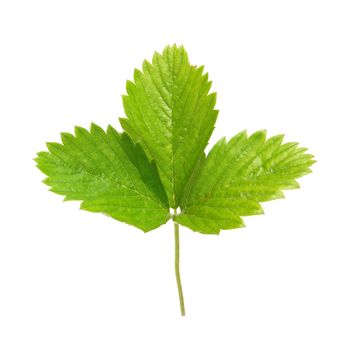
{"type": "Point", "coordinates": [75, 280]}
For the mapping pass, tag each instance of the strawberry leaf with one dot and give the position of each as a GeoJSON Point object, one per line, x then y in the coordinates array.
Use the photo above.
{"type": "Point", "coordinates": [236, 176]}
{"type": "Point", "coordinates": [159, 161]}
{"type": "Point", "coordinates": [171, 113]}
{"type": "Point", "coordinates": [109, 173]}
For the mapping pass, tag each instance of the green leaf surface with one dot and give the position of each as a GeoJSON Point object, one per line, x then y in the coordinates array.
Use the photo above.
{"type": "Point", "coordinates": [109, 173]}
{"type": "Point", "coordinates": [159, 162]}
{"type": "Point", "coordinates": [170, 112]}
{"type": "Point", "coordinates": [236, 176]}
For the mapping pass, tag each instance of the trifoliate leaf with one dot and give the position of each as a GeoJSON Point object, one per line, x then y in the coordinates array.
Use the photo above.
{"type": "Point", "coordinates": [109, 173]}
{"type": "Point", "coordinates": [171, 113]}
{"type": "Point", "coordinates": [236, 176]}
{"type": "Point", "coordinates": [162, 164]}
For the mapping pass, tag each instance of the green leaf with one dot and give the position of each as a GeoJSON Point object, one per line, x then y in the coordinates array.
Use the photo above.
{"type": "Point", "coordinates": [170, 112]}
{"type": "Point", "coordinates": [170, 116]}
{"type": "Point", "coordinates": [109, 174]}
{"type": "Point", "coordinates": [236, 176]}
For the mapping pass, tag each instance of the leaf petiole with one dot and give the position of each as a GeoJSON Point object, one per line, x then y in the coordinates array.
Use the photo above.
{"type": "Point", "coordinates": [177, 266]}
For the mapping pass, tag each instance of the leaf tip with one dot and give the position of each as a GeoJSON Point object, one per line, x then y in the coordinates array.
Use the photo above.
{"type": "Point", "coordinates": [96, 129]}
{"type": "Point", "coordinates": [137, 75]}
{"type": "Point", "coordinates": [78, 131]}
{"type": "Point", "coordinates": [111, 129]}
{"type": "Point", "coordinates": [66, 137]}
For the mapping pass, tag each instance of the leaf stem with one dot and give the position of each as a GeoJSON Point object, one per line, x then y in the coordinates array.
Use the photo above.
{"type": "Point", "coordinates": [177, 267]}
